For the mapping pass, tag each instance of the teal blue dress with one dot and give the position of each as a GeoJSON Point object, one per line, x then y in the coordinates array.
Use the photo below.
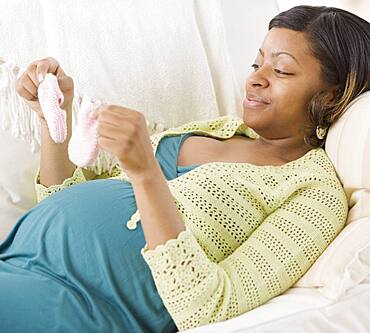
{"type": "Point", "coordinates": [70, 264]}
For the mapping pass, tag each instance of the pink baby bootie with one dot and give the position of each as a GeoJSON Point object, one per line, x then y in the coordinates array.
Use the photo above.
{"type": "Point", "coordinates": [83, 146]}
{"type": "Point", "coordinates": [50, 98]}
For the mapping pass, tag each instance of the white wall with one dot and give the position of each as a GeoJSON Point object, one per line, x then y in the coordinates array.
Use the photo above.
{"type": "Point", "coordinates": [358, 7]}
{"type": "Point", "coordinates": [246, 24]}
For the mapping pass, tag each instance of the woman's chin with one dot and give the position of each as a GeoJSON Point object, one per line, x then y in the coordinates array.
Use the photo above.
{"type": "Point", "coordinates": [252, 117]}
{"type": "Point", "coordinates": [251, 122]}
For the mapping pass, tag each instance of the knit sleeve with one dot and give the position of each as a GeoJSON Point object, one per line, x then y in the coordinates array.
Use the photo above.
{"type": "Point", "coordinates": [77, 177]}
{"type": "Point", "coordinates": [197, 291]}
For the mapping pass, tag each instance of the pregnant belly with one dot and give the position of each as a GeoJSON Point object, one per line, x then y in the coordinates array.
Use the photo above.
{"type": "Point", "coordinates": [79, 235]}
{"type": "Point", "coordinates": [93, 276]}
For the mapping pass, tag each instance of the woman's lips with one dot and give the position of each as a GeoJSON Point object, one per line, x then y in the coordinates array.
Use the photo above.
{"type": "Point", "coordinates": [254, 103]}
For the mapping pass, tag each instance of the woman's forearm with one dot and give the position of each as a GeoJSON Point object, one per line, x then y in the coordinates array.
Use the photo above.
{"type": "Point", "coordinates": [55, 165]}
{"type": "Point", "coordinates": [160, 218]}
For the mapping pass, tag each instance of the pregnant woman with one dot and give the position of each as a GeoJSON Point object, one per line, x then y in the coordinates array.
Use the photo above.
{"type": "Point", "coordinates": [202, 222]}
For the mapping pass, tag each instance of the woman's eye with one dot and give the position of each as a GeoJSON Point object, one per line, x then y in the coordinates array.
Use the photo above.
{"type": "Point", "coordinates": [278, 71]}
{"type": "Point", "coordinates": [281, 72]}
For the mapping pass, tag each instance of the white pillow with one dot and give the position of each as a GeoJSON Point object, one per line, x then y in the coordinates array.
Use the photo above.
{"type": "Point", "coordinates": [344, 264]}
{"type": "Point", "coordinates": [346, 261]}
{"type": "Point", "coordinates": [353, 249]}
{"type": "Point", "coordinates": [348, 147]}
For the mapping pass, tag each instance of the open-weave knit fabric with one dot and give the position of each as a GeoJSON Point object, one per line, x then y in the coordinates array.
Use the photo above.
{"type": "Point", "coordinates": [251, 231]}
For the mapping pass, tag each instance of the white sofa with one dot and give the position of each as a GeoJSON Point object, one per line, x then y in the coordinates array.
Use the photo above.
{"type": "Point", "coordinates": [176, 62]}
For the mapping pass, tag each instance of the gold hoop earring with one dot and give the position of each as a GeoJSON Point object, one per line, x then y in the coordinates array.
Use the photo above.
{"type": "Point", "coordinates": [321, 132]}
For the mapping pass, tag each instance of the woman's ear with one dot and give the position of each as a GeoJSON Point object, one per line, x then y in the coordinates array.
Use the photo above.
{"type": "Point", "coordinates": [333, 93]}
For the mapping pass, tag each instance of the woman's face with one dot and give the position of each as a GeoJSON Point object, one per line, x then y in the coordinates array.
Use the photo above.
{"type": "Point", "coordinates": [278, 91]}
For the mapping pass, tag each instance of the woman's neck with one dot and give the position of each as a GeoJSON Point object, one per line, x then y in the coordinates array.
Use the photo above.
{"type": "Point", "coordinates": [288, 149]}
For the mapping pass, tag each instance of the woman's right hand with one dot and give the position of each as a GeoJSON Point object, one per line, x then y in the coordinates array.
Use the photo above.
{"type": "Point", "coordinates": [28, 83]}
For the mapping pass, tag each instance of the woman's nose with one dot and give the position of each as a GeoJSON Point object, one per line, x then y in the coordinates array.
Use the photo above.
{"type": "Point", "coordinates": [257, 79]}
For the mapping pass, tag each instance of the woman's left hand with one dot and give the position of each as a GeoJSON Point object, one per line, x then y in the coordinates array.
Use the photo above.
{"type": "Point", "coordinates": [124, 133]}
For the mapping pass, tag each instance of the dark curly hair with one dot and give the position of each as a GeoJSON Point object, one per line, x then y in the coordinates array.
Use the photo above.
{"type": "Point", "coordinates": [340, 40]}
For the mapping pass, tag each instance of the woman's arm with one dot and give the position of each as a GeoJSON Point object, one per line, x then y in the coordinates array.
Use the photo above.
{"type": "Point", "coordinates": [198, 291]}
{"type": "Point", "coordinates": [160, 218]}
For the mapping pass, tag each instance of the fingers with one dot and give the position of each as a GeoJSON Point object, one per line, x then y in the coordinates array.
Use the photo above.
{"type": "Point", "coordinates": [27, 95]}
{"type": "Point", "coordinates": [26, 87]}
{"type": "Point", "coordinates": [116, 111]}
{"type": "Point", "coordinates": [107, 116]}
{"type": "Point", "coordinates": [31, 71]}
{"type": "Point", "coordinates": [29, 81]}
{"type": "Point", "coordinates": [65, 83]}
{"type": "Point", "coordinates": [47, 65]}
{"type": "Point", "coordinates": [30, 86]}
{"type": "Point", "coordinates": [108, 131]}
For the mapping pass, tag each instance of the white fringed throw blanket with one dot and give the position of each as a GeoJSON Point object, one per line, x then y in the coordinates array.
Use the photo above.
{"type": "Point", "coordinates": [166, 59]}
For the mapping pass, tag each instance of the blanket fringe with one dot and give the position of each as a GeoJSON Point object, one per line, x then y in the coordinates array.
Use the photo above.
{"type": "Point", "coordinates": [23, 123]}
{"type": "Point", "coordinates": [15, 115]}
